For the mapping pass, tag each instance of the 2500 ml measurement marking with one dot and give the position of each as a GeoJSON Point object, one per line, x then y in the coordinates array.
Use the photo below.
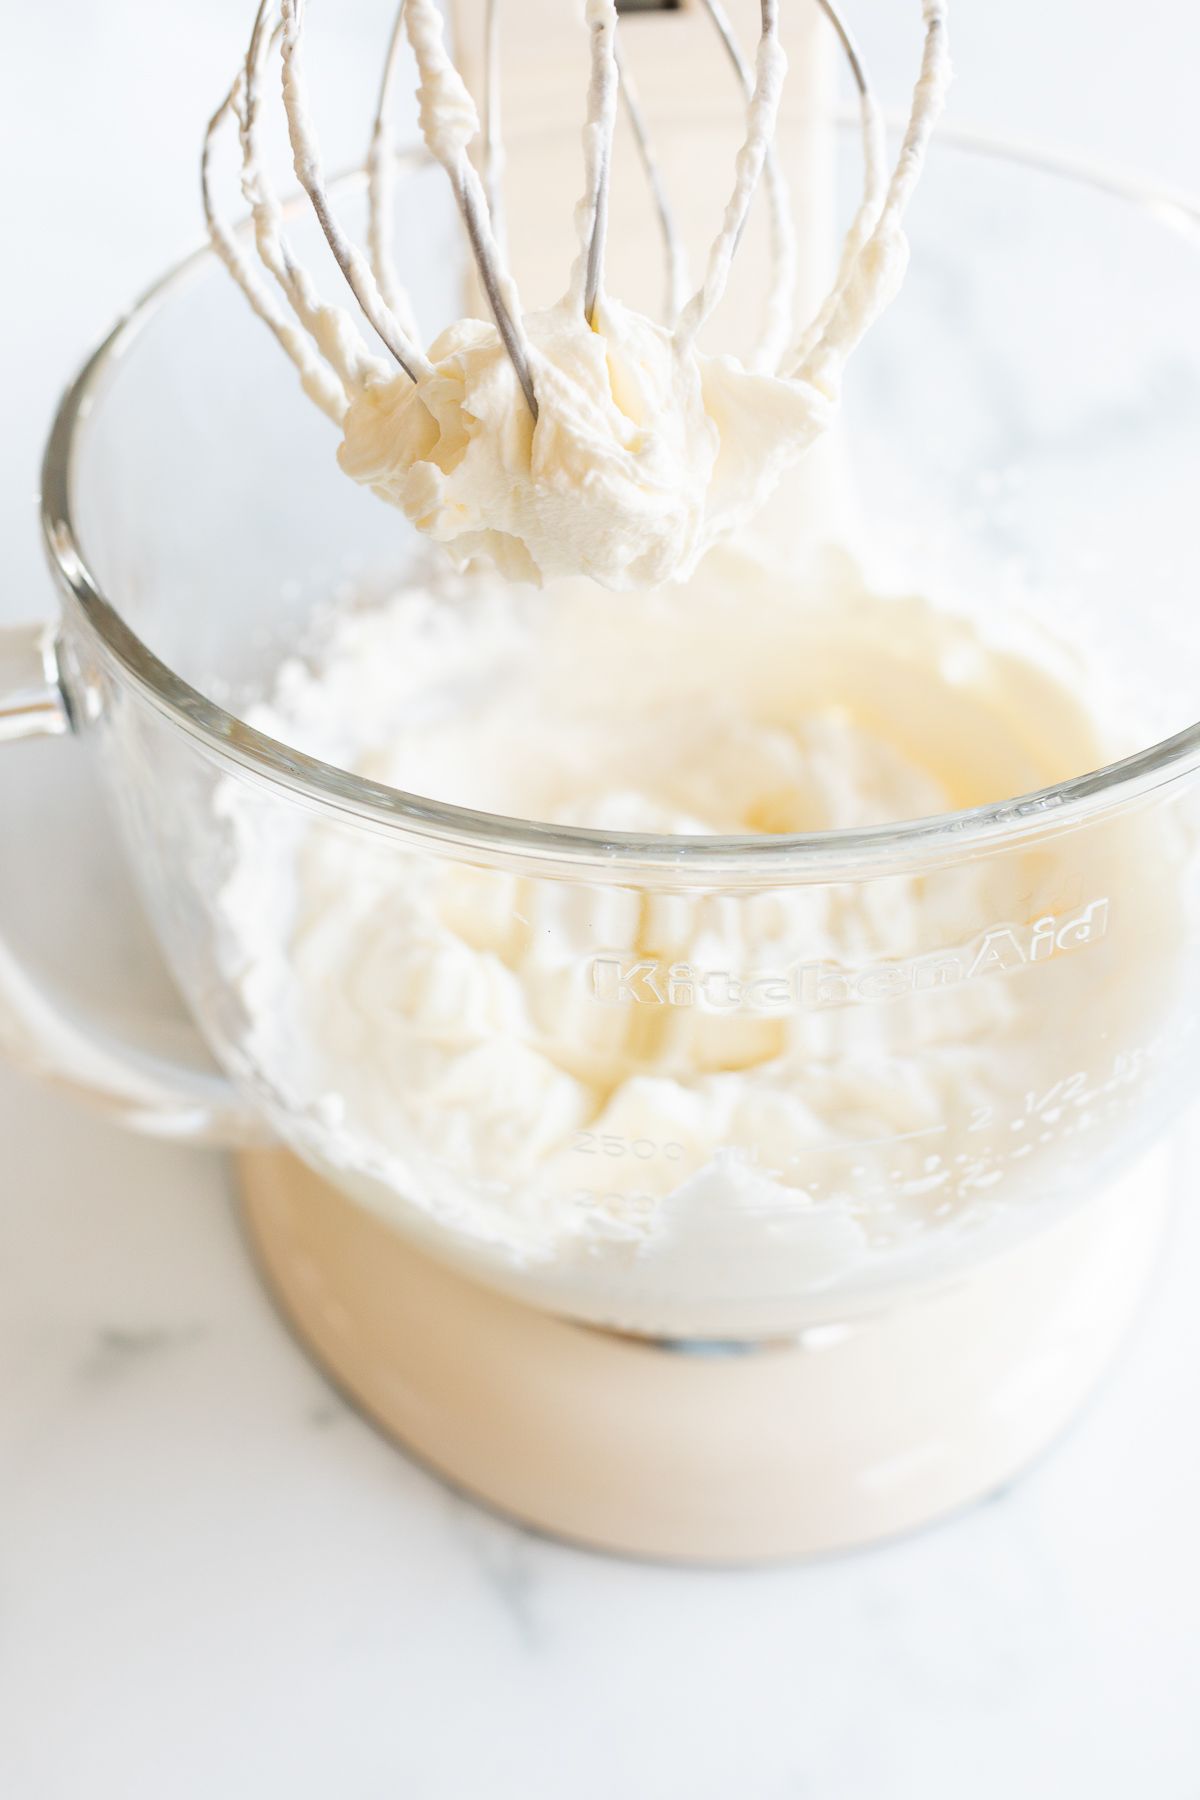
{"type": "Point", "coordinates": [606, 1143]}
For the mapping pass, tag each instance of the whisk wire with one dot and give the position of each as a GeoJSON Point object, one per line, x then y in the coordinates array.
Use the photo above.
{"type": "Point", "coordinates": [380, 178]}
{"type": "Point", "coordinates": [761, 114]}
{"type": "Point", "coordinates": [493, 141]}
{"type": "Point", "coordinates": [306, 159]}
{"type": "Point", "coordinates": [842, 322]}
{"type": "Point", "coordinates": [781, 294]}
{"type": "Point", "coordinates": [316, 375]}
{"type": "Point", "coordinates": [598, 131]}
{"type": "Point", "coordinates": [330, 330]}
{"type": "Point", "coordinates": [449, 139]}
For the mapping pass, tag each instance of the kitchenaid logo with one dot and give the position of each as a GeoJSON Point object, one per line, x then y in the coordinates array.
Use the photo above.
{"type": "Point", "coordinates": [816, 986]}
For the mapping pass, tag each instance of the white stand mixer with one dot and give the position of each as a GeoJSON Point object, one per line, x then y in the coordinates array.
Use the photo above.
{"type": "Point", "coordinates": [849, 1429]}
{"type": "Point", "coordinates": [717, 1452]}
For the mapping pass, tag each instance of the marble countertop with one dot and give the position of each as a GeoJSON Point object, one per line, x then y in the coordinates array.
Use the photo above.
{"type": "Point", "coordinates": [214, 1578]}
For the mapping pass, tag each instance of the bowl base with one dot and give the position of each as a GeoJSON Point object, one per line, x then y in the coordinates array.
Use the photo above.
{"type": "Point", "coordinates": [849, 1434]}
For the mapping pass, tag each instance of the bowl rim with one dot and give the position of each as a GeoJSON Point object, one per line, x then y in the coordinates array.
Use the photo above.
{"type": "Point", "coordinates": [685, 861]}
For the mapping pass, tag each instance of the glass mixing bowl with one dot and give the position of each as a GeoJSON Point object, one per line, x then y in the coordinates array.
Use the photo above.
{"type": "Point", "coordinates": [1023, 430]}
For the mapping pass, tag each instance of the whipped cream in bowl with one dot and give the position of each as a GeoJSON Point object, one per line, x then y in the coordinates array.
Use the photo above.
{"type": "Point", "coordinates": [703, 1112]}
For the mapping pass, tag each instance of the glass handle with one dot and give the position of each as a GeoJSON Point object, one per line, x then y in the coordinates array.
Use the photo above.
{"type": "Point", "coordinates": [32, 702]}
{"type": "Point", "coordinates": [171, 1096]}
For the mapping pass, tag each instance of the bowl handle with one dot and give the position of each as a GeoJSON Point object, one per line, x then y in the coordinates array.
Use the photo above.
{"type": "Point", "coordinates": [171, 1095]}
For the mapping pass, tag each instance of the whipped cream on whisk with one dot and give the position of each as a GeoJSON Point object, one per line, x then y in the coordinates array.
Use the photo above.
{"type": "Point", "coordinates": [642, 456]}
{"type": "Point", "coordinates": [586, 439]}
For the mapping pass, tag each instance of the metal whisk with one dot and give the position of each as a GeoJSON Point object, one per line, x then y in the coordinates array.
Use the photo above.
{"type": "Point", "coordinates": [333, 359]}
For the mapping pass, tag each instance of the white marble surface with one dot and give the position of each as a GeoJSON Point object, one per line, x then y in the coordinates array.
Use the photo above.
{"type": "Point", "coordinates": [213, 1579]}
